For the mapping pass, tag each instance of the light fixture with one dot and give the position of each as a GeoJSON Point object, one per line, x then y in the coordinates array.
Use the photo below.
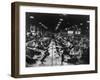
{"type": "Point", "coordinates": [61, 19]}
{"type": "Point", "coordinates": [31, 17]}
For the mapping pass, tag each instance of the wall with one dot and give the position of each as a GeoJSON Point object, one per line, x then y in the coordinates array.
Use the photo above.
{"type": "Point", "coordinates": [5, 40]}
